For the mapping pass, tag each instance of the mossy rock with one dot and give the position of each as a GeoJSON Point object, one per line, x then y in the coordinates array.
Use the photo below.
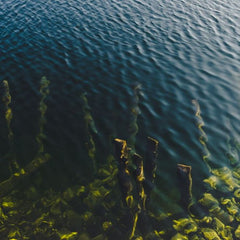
{"type": "Point", "coordinates": [210, 234]}
{"type": "Point", "coordinates": [179, 236]}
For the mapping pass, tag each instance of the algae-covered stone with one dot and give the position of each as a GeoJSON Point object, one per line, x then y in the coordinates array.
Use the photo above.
{"type": "Point", "coordinates": [227, 233]}
{"type": "Point", "coordinates": [8, 205]}
{"type": "Point", "coordinates": [237, 194]}
{"type": "Point", "coordinates": [102, 172]}
{"type": "Point", "coordinates": [196, 237]}
{"type": "Point", "coordinates": [208, 200]}
{"type": "Point", "coordinates": [225, 174]}
{"type": "Point", "coordinates": [231, 206]}
{"type": "Point", "coordinates": [236, 173]}
{"type": "Point", "coordinates": [96, 195]}
{"type": "Point", "coordinates": [179, 236]}
{"type": "Point", "coordinates": [100, 192]}
{"type": "Point", "coordinates": [222, 230]}
{"type": "Point", "coordinates": [12, 213]}
{"type": "Point", "coordinates": [81, 190]}
{"type": "Point", "coordinates": [3, 217]}
{"type": "Point", "coordinates": [58, 206]}
{"type": "Point", "coordinates": [210, 234]}
{"type": "Point", "coordinates": [206, 220]}
{"type": "Point", "coordinates": [222, 215]}
{"type": "Point", "coordinates": [14, 233]}
{"type": "Point", "coordinates": [212, 204]}
{"type": "Point", "coordinates": [218, 225]}
{"type": "Point", "coordinates": [213, 182]}
{"type": "Point", "coordinates": [106, 225]}
{"type": "Point", "coordinates": [185, 225]}
{"type": "Point", "coordinates": [70, 236]}
{"type": "Point", "coordinates": [237, 232]}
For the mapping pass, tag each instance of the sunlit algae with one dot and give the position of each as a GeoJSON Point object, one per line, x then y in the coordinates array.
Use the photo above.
{"type": "Point", "coordinates": [100, 213]}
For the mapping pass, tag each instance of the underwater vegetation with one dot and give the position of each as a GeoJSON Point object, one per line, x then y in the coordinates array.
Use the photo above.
{"type": "Point", "coordinates": [116, 204]}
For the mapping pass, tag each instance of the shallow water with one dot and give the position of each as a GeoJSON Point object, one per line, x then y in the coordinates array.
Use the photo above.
{"type": "Point", "coordinates": [176, 51]}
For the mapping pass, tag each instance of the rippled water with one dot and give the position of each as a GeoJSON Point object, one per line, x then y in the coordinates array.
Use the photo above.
{"type": "Point", "coordinates": [176, 50]}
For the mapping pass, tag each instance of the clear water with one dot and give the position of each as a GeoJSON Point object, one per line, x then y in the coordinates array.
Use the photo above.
{"type": "Point", "coordinates": [176, 50]}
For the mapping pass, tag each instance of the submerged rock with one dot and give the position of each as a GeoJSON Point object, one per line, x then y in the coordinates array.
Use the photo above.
{"type": "Point", "coordinates": [179, 236]}
{"type": "Point", "coordinates": [185, 225]}
{"type": "Point", "coordinates": [210, 234]}
{"type": "Point", "coordinates": [237, 232]}
{"type": "Point", "coordinates": [214, 209]}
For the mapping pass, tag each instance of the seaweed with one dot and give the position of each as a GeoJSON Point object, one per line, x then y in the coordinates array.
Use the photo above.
{"type": "Point", "coordinates": [203, 137]}
{"type": "Point", "coordinates": [90, 129]}
{"type": "Point", "coordinates": [94, 210]}
{"type": "Point", "coordinates": [44, 91]}
{"type": "Point", "coordinates": [41, 157]}
{"type": "Point", "coordinates": [134, 113]}
{"type": "Point", "coordinates": [6, 99]}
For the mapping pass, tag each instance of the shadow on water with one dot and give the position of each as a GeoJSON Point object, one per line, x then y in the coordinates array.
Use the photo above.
{"type": "Point", "coordinates": [118, 199]}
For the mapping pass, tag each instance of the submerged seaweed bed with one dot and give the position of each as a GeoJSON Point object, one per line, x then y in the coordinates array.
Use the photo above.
{"type": "Point", "coordinates": [117, 203]}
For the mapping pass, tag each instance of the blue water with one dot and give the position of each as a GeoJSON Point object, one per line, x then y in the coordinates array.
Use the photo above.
{"type": "Point", "coordinates": [176, 50]}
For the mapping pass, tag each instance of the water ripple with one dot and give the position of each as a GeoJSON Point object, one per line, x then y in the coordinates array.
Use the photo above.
{"type": "Point", "coordinates": [177, 50]}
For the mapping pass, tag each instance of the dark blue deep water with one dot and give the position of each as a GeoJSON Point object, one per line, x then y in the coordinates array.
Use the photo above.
{"type": "Point", "coordinates": [175, 50]}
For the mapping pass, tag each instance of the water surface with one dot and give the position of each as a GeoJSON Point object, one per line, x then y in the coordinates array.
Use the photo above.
{"type": "Point", "coordinates": [176, 50]}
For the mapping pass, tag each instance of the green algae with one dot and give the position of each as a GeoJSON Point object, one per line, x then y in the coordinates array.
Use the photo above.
{"type": "Point", "coordinates": [210, 234]}
{"type": "Point", "coordinates": [90, 129]}
{"type": "Point", "coordinates": [7, 99]}
{"type": "Point", "coordinates": [41, 157]}
{"type": "Point", "coordinates": [203, 136]}
{"type": "Point", "coordinates": [179, 236]}
{"type": "Point", "coordinates": [185, 225]}
{"type": "Point", "coordinates": [44, 91]}
{"type": "Point", "coordinates": [96, 211]}
{"type": "Point", "coordinates": [134, 113]}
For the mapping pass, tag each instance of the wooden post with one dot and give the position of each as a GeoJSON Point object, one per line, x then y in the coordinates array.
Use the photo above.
{"type": "Point", "coordinates": [150, 166]}
{"type": "Point", "coordinates": [124, 177]}
{"type": "Point", "coordinates": [185, 185]}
